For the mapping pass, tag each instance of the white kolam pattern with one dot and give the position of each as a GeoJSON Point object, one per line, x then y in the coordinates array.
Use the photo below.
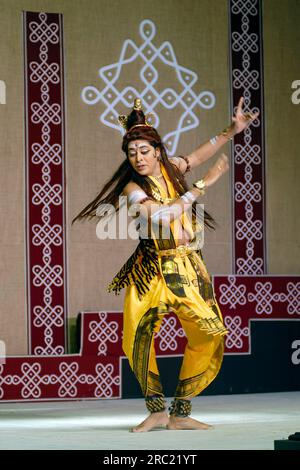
{"type": "Point", "coordinates": [180, 96]}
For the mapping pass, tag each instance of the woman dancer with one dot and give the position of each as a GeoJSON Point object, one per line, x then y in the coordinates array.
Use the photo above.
{"type": "Point", "coordinates": [167, 273]}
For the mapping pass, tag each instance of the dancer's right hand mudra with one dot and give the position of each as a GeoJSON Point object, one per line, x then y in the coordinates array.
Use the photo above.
{"type": "Point", "coordinates": [217, 170]}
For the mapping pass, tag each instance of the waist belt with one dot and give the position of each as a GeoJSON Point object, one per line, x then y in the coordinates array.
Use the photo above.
{"type": "Point", "coordinates": [181, 250]}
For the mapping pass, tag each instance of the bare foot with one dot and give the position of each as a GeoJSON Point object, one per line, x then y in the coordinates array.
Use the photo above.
{"type": "Point", "coordinates": [154, 420]}
{"type": "Point", "coordinates": [176, 422]}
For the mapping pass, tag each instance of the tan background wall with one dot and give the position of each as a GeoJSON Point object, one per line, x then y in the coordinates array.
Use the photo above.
{"type": "Point", "coordinates": [281, 21]}
{"type": "Point", "coordinates": [94, 32]}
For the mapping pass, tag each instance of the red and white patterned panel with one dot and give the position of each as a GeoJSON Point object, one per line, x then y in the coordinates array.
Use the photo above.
{"type": "Point", "coordinates": [101, 333]}
{"type": "Point", "coordinates": [246, 298]}
{"type": "Point", "coordinates": [246, 78]}
{"type": "Point", "coordinates": [45, 192]}
{"type": "Point", "coordinates": [57, 378]}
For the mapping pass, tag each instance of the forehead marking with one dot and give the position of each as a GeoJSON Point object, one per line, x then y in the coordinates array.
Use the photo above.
{"type": "Point", "coordinates": [137, 146]}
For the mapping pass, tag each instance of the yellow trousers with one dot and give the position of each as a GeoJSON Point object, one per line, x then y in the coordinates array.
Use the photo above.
{"type": "Point", "coordinates": [176, 288]}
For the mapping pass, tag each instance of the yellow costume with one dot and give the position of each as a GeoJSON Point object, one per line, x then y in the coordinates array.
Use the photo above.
{"type": "Point", "coordinates": [161, 277]}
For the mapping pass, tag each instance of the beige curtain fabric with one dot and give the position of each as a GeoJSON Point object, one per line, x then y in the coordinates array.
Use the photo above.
{"type": "Point", "coordinates": [281, 22]}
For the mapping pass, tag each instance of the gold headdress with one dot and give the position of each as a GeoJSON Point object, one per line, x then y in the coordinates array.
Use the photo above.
{"type": "Point", "coordinates": [123, 119]}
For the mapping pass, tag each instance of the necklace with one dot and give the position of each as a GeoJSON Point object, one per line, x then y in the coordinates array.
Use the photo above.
{"type": "Point", "coordinates": [164, 200]}
{"type": "Point", "coordinates": [158, 177]}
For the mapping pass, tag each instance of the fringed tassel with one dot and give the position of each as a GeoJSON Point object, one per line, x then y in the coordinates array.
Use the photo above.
{"type": "Point", "coordinates": [139, 269]}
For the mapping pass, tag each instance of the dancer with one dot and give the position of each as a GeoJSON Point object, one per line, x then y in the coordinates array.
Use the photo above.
{"type": "Point", "coordinates": [167, 273]}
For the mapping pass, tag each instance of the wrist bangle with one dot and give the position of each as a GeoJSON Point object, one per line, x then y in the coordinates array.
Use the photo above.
{"type": "Point", "coordinates": [188, 197]}
{"type": "Point", "coordinates": [214, 140]}
{"type": "Point", "coordinates": [200, 185]}
{"type": "Point", "coordinates": [225, 133]}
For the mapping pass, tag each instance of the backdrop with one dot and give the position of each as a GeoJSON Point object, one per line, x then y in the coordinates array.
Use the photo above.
{"type": "Point", "coordinates": [105, 50]}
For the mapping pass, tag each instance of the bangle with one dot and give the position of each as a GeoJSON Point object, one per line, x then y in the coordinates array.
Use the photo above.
{"type": "Point", "coordinates": [200, 185]}
{"type": "Point", "coordinates": [188, 197]}
{"type": "Point", "coordinates": [213, 140]}
{"type": "Point", "coordinates": [225, 133]}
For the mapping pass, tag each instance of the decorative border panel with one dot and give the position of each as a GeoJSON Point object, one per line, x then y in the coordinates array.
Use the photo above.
{"type": "Point", "coordinates": [246, 77]}
{"type": "Point", "coordinates": [35, 378]}
{"type": "Point", "coordinates": [246, 298]}
{"type": "Point", "coordinates": [45, 183]}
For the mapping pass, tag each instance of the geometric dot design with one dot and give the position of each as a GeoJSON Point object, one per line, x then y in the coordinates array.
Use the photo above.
{"type": "Point", "coordinates": [103, 331]}
{"type": "Point", "coordinates": [179, 98]}
{"type": "Point", "coordinates": [292, 298]}
{"type": "Point", "coordinates": [262, 294]}
{"type": "Point", "coordinates": [264, 297]}
{"type": "Point", "coordinates": [232, 293]}
{"type": "Point", "coordinates": [30, 379]}
{"type": "Point", "coordinates": [236, 332]}
{"type": "Point", "coordinates": [104, 380]}
{"type": "Point", "coordinates": [67, 379]}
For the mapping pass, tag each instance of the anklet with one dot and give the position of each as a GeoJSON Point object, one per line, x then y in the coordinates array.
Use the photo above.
{"type": "Point", "coordinates": [155, 404]}
{"type": "Point", "coordinates": [182, 408]}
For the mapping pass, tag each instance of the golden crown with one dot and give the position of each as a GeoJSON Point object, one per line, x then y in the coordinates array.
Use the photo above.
{"type": "Point", "coordinates": [123, 119]}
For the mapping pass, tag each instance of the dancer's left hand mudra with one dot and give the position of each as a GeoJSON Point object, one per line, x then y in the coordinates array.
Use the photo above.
{"type": "Point", "coordinates": [207, 150]}
{"type": "Point", "coordinates": [242, 120]}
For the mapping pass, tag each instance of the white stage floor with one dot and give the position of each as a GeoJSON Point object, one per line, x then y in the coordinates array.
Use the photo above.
{"type": "Point", "coordinates": [251, 421]}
